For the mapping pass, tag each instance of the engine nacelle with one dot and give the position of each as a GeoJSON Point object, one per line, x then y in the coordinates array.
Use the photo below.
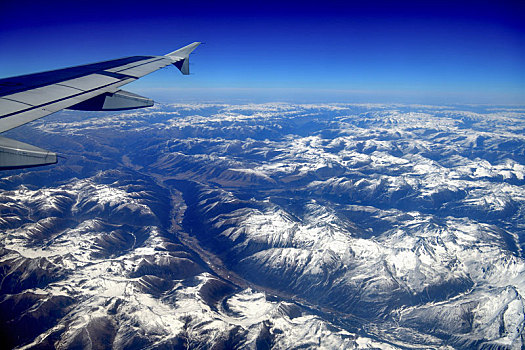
{"type": "Point", "coordinates": [15, 154]}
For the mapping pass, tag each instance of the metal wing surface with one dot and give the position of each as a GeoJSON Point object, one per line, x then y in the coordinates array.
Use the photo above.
{"type": "Point", "coordinates": [92, 87]}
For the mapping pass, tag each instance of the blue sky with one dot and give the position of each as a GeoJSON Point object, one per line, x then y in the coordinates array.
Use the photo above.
{"type": "Point", "coordinates": [378, 51]}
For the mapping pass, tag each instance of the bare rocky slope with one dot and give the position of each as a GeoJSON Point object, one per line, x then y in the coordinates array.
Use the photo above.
{"type": "Point", "coordinates": [268, 226]}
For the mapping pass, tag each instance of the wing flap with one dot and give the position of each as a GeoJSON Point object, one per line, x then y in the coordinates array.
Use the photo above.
{"type": "Point", "coordinates": [89, 82]}
{"type": "Point", "coordinates": [20, 83]}
{"type": "Point", "coordinates": [42, 95]}
{"type": "Point", "coordinates": [8, 123]}
{"type": "Point", "coordinates": [132, 65]}
{"type": "Point", "coordinates": [8, 106]}
{"type": "Point", "coordinates": [13, 120]}
{"type": "Point", "coordinates": [147, 68]}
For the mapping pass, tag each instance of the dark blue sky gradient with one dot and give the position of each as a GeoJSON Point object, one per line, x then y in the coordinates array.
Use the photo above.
{"type": "Point", "coordinates": [427, 51]}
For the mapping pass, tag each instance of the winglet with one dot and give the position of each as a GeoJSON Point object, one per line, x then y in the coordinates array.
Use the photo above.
{"type": "Point", "coordinates": [180, 57]}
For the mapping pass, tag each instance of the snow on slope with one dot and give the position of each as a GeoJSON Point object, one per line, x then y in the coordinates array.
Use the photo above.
{"type": "Point", "coordinates": [353, 226]}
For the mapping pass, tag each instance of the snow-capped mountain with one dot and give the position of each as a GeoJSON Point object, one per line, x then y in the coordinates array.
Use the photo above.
{"type": "Point", "coordinates": [269, 226]}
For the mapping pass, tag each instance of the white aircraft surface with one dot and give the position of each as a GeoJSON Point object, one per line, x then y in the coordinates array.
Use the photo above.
{"type": "Point", "coordinates": [91, 87]}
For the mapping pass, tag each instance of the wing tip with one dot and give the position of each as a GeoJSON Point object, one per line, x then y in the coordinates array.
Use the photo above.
{"type": "Point", "coordinates": [185, 51]}
{"type": "Point", "coordinates": [180, 57]}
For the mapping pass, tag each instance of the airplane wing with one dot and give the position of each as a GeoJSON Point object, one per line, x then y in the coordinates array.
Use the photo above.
{"type": "Point", "coordinates": [91, 87]}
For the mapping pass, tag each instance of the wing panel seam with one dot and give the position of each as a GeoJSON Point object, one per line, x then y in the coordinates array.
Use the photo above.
{"type": "Point", "coordinates": [115, 75]}
{"type": "Point", "coordinates": [10, 99]}
{"type": "Point", "coordinates": [142, 64]}
{"type": "Point", "coordinates": [64, 74]}
{"type": "Point", "coordinates": [69, 86]}
{"type": "Point", "coordinates": [59, 100]}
